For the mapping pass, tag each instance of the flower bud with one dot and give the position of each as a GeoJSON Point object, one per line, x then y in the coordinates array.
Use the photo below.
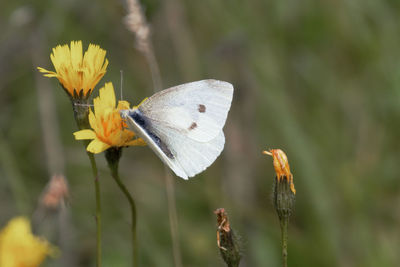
{"type": "Point", "coordinates": [226, 240]}
{"type": "Point", "coordinates": [284, 191]}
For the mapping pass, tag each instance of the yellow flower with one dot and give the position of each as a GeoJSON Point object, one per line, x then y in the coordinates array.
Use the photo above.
{"type": "Point", "coordinates": [77, 74]}
{"type": "Point", "coordinates": [19, 248]}
{"type": "Point", "coordinates": [108, 128]}
{"type": "Point", "coordinates": [281, 166]}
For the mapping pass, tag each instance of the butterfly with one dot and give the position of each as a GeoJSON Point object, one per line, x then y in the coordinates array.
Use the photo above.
{"type": "Point", "coordinates": [183, 124]}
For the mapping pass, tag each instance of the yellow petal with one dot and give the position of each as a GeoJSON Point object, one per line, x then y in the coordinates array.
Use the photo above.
{"type": "Point", "coordinates": [92, 120]}
{"type": "Point", "coordinates": [105, 102]}
{"type": "Point", "coordinates": [136, 142]}
{"type": "Point", "coordinates": [141, 103]}
{"type": "Point", "coordinates": [47, 72]}
{"type": "Point", "coordinates": [85, 134]}
{"type": "Point", "coordinates": [122, 104]}
{"type": "Point", "coordinates": [107, 95]}
{"type": "Point", "coordinates": [76, 54]}
{"type": "Point", "coordinates": [97, 106]}
{"type": "Point", "coordinates": [96, 146]}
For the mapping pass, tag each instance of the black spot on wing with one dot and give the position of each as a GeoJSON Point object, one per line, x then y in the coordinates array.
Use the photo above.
{"type": "Point", "coordinates": [143, 122]}
{"type": "Point", "coordinates": [193, 126]}
{"type": "Point", "coordinates": [202, 108]}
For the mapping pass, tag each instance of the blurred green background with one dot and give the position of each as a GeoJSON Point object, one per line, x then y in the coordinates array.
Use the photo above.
{"type": "Point", "coordinates": [318, 79]}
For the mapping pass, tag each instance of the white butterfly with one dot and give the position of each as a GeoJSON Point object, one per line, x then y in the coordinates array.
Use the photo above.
{"type": "Point", "coordinates": [183, 124]}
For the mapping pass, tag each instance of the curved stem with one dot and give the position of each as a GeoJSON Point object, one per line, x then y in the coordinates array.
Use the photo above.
{"type": "Point", "coordinates": [98, 208]}
{"type": "Point", "coordinates": [113, 155]}
{"type": "Point", "coordinates": [133, 214]}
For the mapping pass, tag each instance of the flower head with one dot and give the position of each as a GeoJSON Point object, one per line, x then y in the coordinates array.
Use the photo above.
{"type": "Point", "coordinates": [77, 74]}
{"type": "Point", "coordinates": [18, 247]}
{"type": "Point", "coordinates": [108, 128]}
{"type": "Point", "coordinates": [281, 166]}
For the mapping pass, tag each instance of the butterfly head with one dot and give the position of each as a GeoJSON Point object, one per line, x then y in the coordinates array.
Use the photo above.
{"type": "Point", "coordinates": [124, 113]}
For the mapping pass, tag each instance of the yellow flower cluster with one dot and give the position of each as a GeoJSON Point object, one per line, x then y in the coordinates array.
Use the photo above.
{"type": "Point", "coordinates": [20, 248]}
{"type": "Point", "coordinates": [77, 73]}
{"type": "Point", "coordinates": [108, 128]}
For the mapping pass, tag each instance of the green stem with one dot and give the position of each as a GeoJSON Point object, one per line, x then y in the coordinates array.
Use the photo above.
{"type": "Point", "coordinates": [81, 112]}
{"type": "Point", "coordinates": [113, 155]}
{"type": "Point", "coordinates": [98, 208]}
{"type": "Point", "coordinates": [284, 227]}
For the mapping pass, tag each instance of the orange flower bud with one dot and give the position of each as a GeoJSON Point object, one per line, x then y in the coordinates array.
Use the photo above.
{"type": "Point", "coordinates": [281, 166]}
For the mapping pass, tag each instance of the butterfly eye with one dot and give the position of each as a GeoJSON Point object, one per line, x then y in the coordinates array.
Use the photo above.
{"type": "Point", "coordinates": [202, 108]}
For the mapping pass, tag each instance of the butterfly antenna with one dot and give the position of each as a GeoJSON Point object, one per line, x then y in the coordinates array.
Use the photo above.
{"type": "Point", "coordinates": [122, 79]}
{"type": "Point", "coordinates": [83, 105]}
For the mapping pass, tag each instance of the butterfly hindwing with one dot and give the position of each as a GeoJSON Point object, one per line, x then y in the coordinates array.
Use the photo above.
{"type": "Point", "coordinates": [190, 155]}
{"type": "Point", "coordinates": [140, 126]}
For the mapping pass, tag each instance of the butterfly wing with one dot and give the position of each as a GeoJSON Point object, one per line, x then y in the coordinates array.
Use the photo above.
{"type": "Point", "coordinates": [187, 154]}
{"type": "Point", "coordinates": [194, 157]}
{"type": "Point", "coordinates": [198, 109]}
{"type": "Point", "coordinates": [141, 127]}
{"type": "Point", "coordinates": [183, 124]}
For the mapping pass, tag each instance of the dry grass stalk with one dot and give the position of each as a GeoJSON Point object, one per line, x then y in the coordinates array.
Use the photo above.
{"type": "Point", "coordinates": [136, 22]}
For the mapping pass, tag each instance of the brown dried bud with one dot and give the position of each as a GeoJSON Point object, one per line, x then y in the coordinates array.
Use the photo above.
{"type": "Point", "coordinates": [226, 240]}
{"type": "Point", "coordinates": [55, 192]}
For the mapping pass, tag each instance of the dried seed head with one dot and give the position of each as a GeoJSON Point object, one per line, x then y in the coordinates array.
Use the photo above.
{"type": "Point", "coordinates": [226, 240]}
{"type": "Point", "coordinates": [222, 219]}
{"type": "Point", "coordinates": [55, 192]}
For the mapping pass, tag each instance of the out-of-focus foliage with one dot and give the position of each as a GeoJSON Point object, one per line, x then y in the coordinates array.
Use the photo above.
{"type": "Point", "coordinates": [318, 79]}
